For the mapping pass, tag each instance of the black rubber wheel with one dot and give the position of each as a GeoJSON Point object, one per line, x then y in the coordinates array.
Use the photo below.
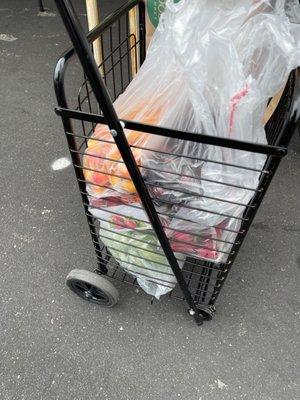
{"type": "Point", "coordinates": [207, 312]}
{"type": "Point", "coordinates": [92, 287]}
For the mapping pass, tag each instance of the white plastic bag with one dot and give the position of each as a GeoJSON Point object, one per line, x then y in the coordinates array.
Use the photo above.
{"type": "Point", "coordinates": [211, 68]}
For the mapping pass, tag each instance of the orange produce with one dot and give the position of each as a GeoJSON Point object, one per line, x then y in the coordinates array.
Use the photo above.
{"type": "Point", "coordinates": [103, 166]}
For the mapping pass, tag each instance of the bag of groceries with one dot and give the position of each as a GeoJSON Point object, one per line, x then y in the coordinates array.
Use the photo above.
{"type": "Point", "coordinates": [211, 68]}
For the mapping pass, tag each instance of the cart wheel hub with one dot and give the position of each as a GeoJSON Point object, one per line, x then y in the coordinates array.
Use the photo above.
{"type": "Point", "coordinates": [88, 294]}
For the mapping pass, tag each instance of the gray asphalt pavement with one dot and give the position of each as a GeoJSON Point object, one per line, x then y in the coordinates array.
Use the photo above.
{"type": "Point", "coordinates": [53, 345]}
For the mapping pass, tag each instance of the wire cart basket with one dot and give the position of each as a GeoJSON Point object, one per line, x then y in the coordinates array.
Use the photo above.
{"type": "Point", "coordinates": [199, 281]}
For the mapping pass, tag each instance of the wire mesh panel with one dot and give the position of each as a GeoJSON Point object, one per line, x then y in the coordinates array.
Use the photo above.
{"type": "Point", "coordinates": [121, 57]}
{"type": "Point", "coordinates": [203, 277]}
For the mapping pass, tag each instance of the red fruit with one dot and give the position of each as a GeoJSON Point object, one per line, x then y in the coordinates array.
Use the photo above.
{"type": "Point", "coordinates": [205, 253]}
{"type": "Point", "coordinates": [130, 224]}
{"type": "Point", "coordinates": [182, 247]}
{"type": "Point", "coordinates": [118, 221]}
{"type": "Point", "coordinates": [99, 179]}
{"type": "Point", "coordinates": [184, 237]}
{"type": "Point", "coordinates": [210, 252]}
{"type": "Point", "coordinates": [187, 246]}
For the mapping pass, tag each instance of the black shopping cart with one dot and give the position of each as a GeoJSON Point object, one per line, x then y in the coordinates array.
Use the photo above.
{"type": "Point", "coordinates": [199, 281]}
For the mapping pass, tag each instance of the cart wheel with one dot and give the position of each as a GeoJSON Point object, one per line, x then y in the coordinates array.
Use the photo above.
{"type": "Point", "coordinates": [92, 287]}
{"type": "Point", "coordinates": [207, 312]}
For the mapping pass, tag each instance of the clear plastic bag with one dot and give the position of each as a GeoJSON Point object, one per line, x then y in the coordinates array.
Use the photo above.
{"type": "Point", "coordinates": [211, 68]}
{"type": "Point", "coordinates": [128, 235]}
{"type": "Point", "coordinates": [292, 8]}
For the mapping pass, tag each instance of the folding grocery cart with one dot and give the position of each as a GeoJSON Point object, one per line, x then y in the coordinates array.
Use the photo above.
{"type": "Point", "coordinates": [199, 281]}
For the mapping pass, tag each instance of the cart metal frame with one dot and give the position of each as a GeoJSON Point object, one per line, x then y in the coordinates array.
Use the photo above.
{"type": "Point", "coordinates": [41, 6]}
{"type": "Point", "coordinates": [279, 131]}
